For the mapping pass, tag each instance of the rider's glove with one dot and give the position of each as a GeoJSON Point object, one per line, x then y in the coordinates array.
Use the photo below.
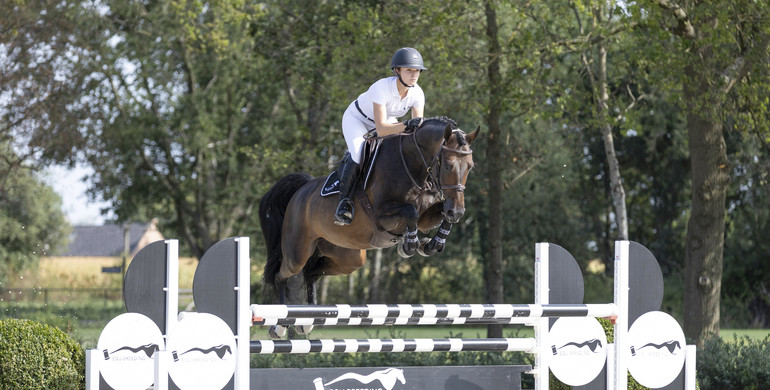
{"type": "Point", "coordinates": [412, 124]}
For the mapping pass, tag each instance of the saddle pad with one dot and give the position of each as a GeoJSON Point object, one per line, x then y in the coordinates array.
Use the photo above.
{"type": "Point", "coordinates": [331, 185]}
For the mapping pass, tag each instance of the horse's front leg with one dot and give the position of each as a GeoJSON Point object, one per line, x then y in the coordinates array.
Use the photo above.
{"type": "Point", "coordinates": [410, 243]}
{"type": "Point", "coordinates": [397, 216]}
{"type": "Point", "coordinates": [437, 243]}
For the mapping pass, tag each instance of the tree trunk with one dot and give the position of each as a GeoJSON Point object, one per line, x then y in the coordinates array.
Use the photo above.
{"type": "Point", "coordinates": [495, 164]}
{"type": "Point", "coordinates": [613, 167]}
{"type": "Point", "coordinates": [375, 285]}
{"type": "Point", "coordinates": [705, 230]}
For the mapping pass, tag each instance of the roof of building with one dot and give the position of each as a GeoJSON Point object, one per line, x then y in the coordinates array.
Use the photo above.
{"type": "Point", "coordinates": [109, 240]}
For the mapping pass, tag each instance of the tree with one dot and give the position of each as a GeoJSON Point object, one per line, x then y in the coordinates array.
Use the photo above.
{"type": "Point", "coordinates": [32, 224]}
{"type": "Point", "coordinates": [178, 113]}
{"type": "Point", "coordinates": [41, 78]}
{"type": "Point", "coordinates": [721, 47]}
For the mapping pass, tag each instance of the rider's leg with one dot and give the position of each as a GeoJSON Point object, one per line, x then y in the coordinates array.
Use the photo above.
{"type": "Point", "coordinates": [348, 174]}
{"type": "Point", "coordinates": [354, 131]}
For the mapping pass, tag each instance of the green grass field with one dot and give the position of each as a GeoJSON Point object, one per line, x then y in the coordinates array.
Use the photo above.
{"type": "Point", "coordinates": [755, 334]}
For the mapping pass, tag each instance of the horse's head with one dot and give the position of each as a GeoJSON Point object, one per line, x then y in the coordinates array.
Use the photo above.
{"type": "Point", "coordinates": [456, 162]}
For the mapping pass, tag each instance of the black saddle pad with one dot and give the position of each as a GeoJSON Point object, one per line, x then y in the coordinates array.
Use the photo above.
{"type": "Point", "coordinates": [332, 184]}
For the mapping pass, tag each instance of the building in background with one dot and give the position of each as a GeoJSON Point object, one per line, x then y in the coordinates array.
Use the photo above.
{"type": "Point", "coordinates": [111, 240]}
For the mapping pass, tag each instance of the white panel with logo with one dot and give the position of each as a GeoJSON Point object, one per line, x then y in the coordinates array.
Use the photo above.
{"type": "Point", "coordinates": [128, 343]}
{"type": "Point", "coordinates": [579, 348]}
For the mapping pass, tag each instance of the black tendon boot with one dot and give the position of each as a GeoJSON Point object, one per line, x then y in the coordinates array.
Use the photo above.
{"type": "Point", "coordinates": [348, 174]}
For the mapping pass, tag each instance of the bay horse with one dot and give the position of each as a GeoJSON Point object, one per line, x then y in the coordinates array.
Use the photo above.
{"type": "Point", "coordinates": [416, 182]}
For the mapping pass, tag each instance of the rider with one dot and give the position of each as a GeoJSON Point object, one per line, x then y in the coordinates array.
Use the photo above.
{"type": "Point", "coordinates": [377, 109]}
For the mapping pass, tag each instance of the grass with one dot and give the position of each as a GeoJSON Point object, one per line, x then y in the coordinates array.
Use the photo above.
{"type": "Point", "coordinates": [754, 334]}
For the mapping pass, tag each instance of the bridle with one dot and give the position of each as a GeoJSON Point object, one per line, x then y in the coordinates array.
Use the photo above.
{"type": "Point", "coordinates": [431, 181]}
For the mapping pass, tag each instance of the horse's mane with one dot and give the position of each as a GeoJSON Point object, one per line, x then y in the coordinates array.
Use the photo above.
{"type": "Point", "coordinates": [443, 121]}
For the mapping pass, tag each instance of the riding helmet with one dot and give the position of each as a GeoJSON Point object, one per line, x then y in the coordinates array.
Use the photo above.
{"type": "Point", "coordinates": [407, 57]}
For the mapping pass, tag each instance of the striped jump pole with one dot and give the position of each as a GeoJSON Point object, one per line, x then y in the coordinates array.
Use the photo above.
{"type": "Point", "coordinates": [422, 314]}
{"type": "Point", "coordinates": [392, 345]}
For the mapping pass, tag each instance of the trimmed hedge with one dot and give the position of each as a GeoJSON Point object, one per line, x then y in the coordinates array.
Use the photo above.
{"type": "Point", "coordinates": [742, 363]}
{"type": "Point", "coordinates": [38, 356]}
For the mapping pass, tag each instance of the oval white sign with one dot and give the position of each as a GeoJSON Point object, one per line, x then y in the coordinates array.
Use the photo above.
{"type": "Point", "coordinates": [579, 348]}
{"type": "Point", "coordinates": [657, 349]}
{"type": "Point", "coordinates": [204, 352]}
{"type": "Point", "coordinates": [128, 344]}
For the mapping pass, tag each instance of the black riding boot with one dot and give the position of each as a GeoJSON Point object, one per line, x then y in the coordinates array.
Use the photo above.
{"type": "Point", "coordinates": [348, 174]}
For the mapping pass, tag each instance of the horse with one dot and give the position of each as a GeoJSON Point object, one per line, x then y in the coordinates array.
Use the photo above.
{"type": "Point", "coordinates": [416, 182]}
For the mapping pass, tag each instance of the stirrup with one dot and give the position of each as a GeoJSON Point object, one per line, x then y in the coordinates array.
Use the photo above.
{"type": "Point", "coordinates": [344, 213]}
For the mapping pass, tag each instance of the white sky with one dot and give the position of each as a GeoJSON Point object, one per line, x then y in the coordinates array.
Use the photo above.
{"type": "Point", "coordinates": [69, 185]}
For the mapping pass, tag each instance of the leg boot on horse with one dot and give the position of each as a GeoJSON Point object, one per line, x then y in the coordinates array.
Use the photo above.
{"type": "Point", "coordinates": [348, 175]}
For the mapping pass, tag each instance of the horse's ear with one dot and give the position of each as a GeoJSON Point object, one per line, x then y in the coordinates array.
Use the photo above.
{"type": "Point", "coordinates": [472, 136]}
{"type": "Point", "coordinates": [447, 133]}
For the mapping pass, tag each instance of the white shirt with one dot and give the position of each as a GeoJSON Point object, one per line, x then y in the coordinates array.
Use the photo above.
{"type": "Point", "coordinates": [385, 93]}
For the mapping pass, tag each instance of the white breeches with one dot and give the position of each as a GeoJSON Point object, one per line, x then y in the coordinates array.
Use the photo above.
{"type": "Point", "coordinates": [354, 130]}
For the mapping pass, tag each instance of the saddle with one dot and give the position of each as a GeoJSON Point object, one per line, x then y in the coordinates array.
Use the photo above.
{"type": "Point", "coordinates": [371, 148]}
{"type": "Point", "coordinates": [381, 238]}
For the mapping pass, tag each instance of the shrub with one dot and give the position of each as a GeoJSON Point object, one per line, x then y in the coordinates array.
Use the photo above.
{"type": "Point", "coordinates": [738, 364]}
{"type": "Point", "coordinates": [37, 356]}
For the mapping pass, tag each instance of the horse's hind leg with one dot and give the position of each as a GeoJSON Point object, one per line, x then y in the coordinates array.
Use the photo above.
{"type": "Point", "coordinates": [287, 281]}
{"type": "Point", "coordinates": [278, 331]}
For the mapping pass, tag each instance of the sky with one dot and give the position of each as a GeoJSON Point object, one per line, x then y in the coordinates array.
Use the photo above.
{"type": "Point", "coordinates": [69, 185]}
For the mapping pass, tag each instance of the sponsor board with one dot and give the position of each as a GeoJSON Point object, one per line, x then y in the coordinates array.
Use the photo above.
{"type": "Point", "coordinates": [389, 378]}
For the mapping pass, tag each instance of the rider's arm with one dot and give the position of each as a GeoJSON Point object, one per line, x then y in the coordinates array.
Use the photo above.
{"type": "Point", "coordinates": [417, 112]}
{"type": "Point", "coordinates": [384, 128]}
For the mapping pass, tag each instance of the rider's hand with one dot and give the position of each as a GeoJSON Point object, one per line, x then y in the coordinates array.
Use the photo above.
{"type": "Point", "coordinates": [412, 124]}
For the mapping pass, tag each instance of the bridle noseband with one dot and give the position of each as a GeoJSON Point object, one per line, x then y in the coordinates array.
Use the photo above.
{"type": "Point", "coordinates": [455, 187]}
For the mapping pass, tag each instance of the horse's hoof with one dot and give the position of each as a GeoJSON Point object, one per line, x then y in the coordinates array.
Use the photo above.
{"type": "Point", "coordinates": [277, 332]}
{"type": "Point", "coordinates": [421, 249]}
{"type": "Point", "coordinates": [403, 253]}
{"type": "Point", "coordinates": [303, 329]}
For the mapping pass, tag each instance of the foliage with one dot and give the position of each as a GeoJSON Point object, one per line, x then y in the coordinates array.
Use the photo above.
{"type": "Point", "coordinates": [36, 356]}
{"type": "Point", "coordinates": [42, 107]}
{"type": "Point", "coordinates": [740, 363]}
{"type": "Point", "coordinates": [746, 281]}
{"type": "Point", "coordinates": [30, 226]}
{"type": "Point", "coordinates": [178, 103]}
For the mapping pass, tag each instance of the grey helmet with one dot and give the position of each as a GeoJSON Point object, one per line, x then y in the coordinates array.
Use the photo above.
{"type": "Point", "coordinates": [407, 57]}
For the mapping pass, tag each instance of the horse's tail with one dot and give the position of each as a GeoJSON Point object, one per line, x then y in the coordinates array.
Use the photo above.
{"type": "Point", "coordinates": [272, 209]}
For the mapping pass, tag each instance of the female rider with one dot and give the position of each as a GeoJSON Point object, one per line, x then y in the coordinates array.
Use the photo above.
{"type": "Point", "coordinates": [378, 109]}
